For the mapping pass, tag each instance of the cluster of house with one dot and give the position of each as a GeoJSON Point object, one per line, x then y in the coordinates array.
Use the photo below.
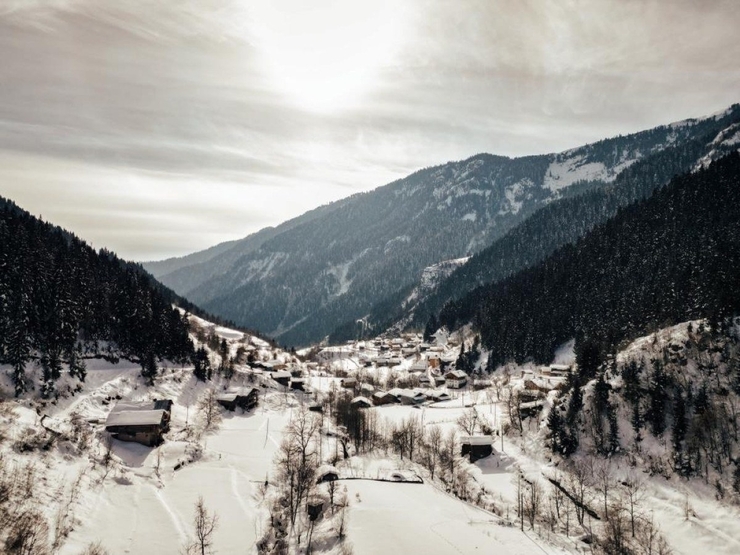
{"type": "Point", "coordinates": [381, 352]}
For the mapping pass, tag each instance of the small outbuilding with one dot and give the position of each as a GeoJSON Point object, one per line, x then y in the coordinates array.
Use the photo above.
{"type": "Point", "coordinates": [476, 447]}
{"type": "Point", "coordinates": [298, 384]}
{"type": "Point", "coordinates": [282, 377]}
{"type": "Point", "coordinates": [326, 473]}
{"type": "Point", "coordinates": [348, 383]}
{"type": "Point", "coordinates": [361, 402]}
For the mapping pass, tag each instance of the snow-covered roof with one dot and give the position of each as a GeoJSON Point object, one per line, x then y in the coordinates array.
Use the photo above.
{"type": "Point", "coordinates": [456, 374]}
{"type": "Point", "coordinates": [410, 393]}
{"type": "Point", "coordinates": [560, 367]}
{"type": "Point", "coordinates": [381, 394]}
{"type": "Point", "coordinates": [156, 404]}
{"type": "Point", "coordinates": [325, 469]}
{"type": "Point", "coordinates": [476, 440]}
{"type": "Point", "coordinates": [361, 399]}
{"type": "Point", "coordinates": [437, 394]}
{"type": "Point", "coordinates": [135, 418]}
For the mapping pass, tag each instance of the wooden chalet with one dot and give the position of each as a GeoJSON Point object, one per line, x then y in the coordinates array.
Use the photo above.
{"type": "Point", "coordinates": [456, 379]}
{"type": "Point", "coordinates": [559, 369]}
{"type": "Point", "coordinates": [245, 398]}
{"type": "Point", "coordinates": [384, 398]}
{"type": "Point", "coordinates": [143, 422]}
{"type": "Point", "coordinates": [437, 395]}
{"type": "Point", "coordinates": [411, 397]}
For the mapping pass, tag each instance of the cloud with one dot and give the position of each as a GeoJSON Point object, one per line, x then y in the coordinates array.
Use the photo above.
{"type": "Point", "coordinates": [171, 118]}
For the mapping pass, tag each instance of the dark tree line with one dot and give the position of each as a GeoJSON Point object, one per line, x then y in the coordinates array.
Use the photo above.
{"type": "Point", "coordinates": [670, 258]}
{"type": "Point", "coordinates": [62, 302]}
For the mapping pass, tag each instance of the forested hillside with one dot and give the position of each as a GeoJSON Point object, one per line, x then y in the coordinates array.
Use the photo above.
{"type": "Point", "coordinates": [62, 302]}
{"type": "Point", "coordinates": [559, 223]}
{"type": "Point", "coordinates": [667, 259]}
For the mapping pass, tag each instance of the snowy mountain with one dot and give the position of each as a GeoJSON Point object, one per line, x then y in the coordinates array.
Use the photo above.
{"type": "Point", "coordinates": [332, 265]}
{"type": "Point", "coordinates": [672, 257]}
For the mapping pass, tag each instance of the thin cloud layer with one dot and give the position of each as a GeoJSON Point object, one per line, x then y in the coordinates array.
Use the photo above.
{"type": "Point", "coordinates": [157, 129]}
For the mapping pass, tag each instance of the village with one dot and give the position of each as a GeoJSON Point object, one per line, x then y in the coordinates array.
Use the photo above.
{"type": "Point", "coordinates": [164, 434]}
{"type": "Point", "coordinates": [405, 448]}
{"type": "Point", "coordinates": [403, 370]}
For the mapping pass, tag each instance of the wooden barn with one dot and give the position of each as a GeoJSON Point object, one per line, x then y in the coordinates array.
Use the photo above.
{"type": "Point", "coordinates": [411, 397]}
{"type": "Point", "coordinates": [298, 384]}
{"type": "Point", "coordinates": [326, 473]}
{"type": "Point", "coordinates": [384, 398]}
{"type": "Point", "coordinates": [282, 377]}
{"type": "Point", "coordinates": [142, 422]}
{"type": "Point", "coordinates": [437, 395]}
{"type": "Point", "coordinates": [476, 447]}
{"type": "Point", "coordinates": [361, 402]}
{"type": "Point", "coordinates": [245, 398]}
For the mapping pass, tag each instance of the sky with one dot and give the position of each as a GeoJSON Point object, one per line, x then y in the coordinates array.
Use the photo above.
{"type": "Point", "coordinates": [159, 128]}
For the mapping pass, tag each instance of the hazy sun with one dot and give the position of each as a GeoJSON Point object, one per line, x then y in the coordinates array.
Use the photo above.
{"type": "Point", "coordinates": [325, 54]}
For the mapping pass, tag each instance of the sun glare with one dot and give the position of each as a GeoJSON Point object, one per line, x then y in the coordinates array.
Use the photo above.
{"type": "Point", "coordinates": [324, 55]}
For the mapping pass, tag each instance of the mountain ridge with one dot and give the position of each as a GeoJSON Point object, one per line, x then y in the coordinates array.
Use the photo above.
{"type": "Point", "coordinates": [333, 264]}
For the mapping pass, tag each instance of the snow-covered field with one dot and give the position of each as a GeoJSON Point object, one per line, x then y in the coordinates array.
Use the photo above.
{"type": "Point", "coordinates": [145, 514]}
{"type": "Point", "coordinates": [417, 518]}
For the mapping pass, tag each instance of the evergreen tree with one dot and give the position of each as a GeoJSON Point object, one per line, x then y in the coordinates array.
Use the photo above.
{"type": "Point", "coordinates": [201, 365]}
{"type": "Point", "coordinates": [431, 328]}
{"type": "Point", "coordinates": [680, 461]}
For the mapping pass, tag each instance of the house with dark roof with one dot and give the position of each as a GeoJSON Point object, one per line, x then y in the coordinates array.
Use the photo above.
{"type": "Point", "coordinates": [245, 398]}
{"type": "Point", "coordinates": [476, 447]}
{"type": "Point", "coordinates": [141, 422]}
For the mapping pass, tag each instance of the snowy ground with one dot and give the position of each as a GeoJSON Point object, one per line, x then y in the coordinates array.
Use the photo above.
{"type": "Point", "coordinates": [417, 518]}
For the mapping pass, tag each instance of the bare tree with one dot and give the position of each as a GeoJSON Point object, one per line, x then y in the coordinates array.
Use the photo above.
{"type": "Point", "coordinates": [578, 483]}
{"type": "Point", "coordinates": [533, 501]}
{"type": "Point", "coordinates": [209, 411]}
{"type": "Point", "coordinates": [434, 446]}
{"type": "Point", "coordinates": [205, 524]}
{"type": "Point", "coordinates": [95, 549]}
{"type": "Point", "coordinates": [633, 491]}
{"type": "Point", "coordinates": [603, 482]}
{"type": "Point", "coordinates": [449, 452]}
{"type": "Point", "coordinates": [468, 421]}
{"type": "Point", "coordinates": [28, 534]}
{"type": "Point", "coordinates": [297, 461]}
